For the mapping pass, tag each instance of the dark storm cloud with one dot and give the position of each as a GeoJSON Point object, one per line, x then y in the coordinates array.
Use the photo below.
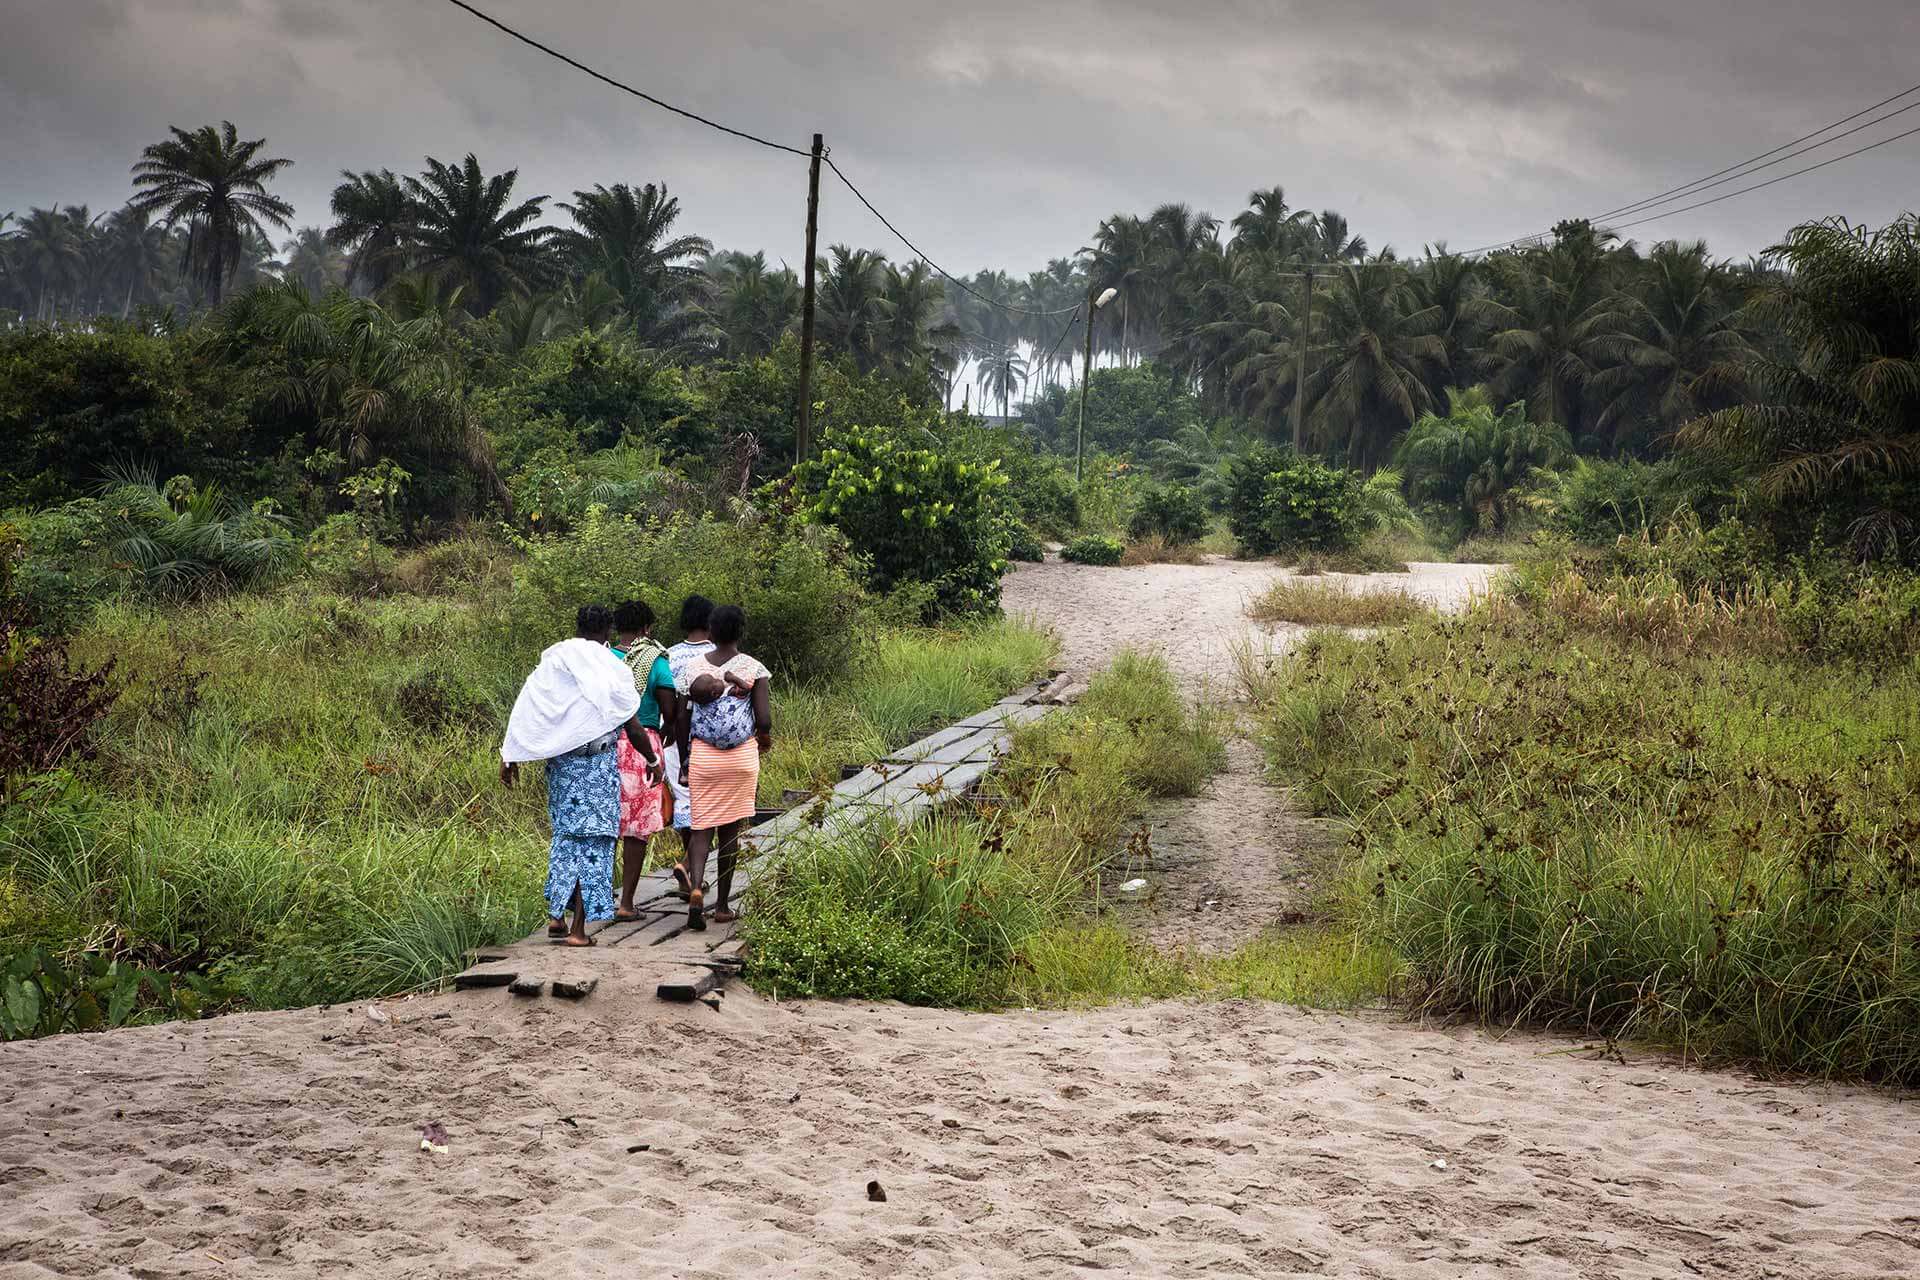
{"type": "Point", "coordinates": [993, 132]}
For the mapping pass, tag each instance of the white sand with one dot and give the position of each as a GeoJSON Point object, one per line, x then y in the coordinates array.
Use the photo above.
{"type": "Point", "coordinates": [1176, 1139]}
{"type": "Point", "coordinates": [1172, 1140]}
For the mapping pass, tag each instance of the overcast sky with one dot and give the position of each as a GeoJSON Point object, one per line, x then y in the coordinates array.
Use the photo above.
{"type": "Point", "coordinates": [994, 133]}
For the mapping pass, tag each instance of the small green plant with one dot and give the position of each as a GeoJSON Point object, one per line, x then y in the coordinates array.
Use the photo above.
{"type": "Point", "coordinates": [346, 555]}
{"type": "Point", "coordinates": [43, 994]}
{"type": "Point", "coordinates": [1094, 548]}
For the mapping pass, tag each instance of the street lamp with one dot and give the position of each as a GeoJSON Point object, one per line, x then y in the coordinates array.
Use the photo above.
{"type": "Point", "coordinates": [1086, 373]}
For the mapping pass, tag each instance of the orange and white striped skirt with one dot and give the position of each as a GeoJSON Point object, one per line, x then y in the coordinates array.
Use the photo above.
{"type": "Point", "coordinates": [722, 783]}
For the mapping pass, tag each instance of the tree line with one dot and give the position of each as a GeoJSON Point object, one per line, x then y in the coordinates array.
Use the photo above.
{"type": "Point", "coordinates": [1275, 311]}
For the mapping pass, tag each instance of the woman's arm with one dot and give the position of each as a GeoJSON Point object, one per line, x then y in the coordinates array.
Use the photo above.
{"type": "Point", "coordinates": [637, 735]}
{"type": "Point", "coordinates": [763, 713]}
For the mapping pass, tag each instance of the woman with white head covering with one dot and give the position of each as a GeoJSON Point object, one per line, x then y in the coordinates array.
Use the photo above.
{"type": "Point", "coordinates": [571, 712]}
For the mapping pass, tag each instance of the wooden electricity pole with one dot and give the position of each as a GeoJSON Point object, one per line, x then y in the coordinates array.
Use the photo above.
{"type": "Point", "coordinates": [1300, 366]}
{"type": "Point", "coordinates": [803, 434]}
{"type": "Point", "coordinates": [1086, 374]}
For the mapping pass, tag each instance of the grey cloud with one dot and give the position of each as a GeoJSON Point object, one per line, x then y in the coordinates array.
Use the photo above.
{"type": "Point", "coordinates": [997, 133]}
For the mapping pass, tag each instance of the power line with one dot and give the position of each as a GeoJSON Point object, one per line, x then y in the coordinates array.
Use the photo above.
{"type": "Point", "coordinates": [624, 88]}
{"type": "Point", "coordinates": [1685, 188]}
{"type": "Point", "coordinates": [956, 281]}
{"type": "Point", "coordinates": [1701, 184]}
{"type": "Point", "coordinates": [1770, 181]}
{"type": "Point", "coordinates": [1644, 205]}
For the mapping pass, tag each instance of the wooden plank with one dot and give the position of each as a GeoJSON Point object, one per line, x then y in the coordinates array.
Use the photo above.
{"type": "Point", "coordinates": [574, 988]}
{"type": "Point", "coordinates": [527, 986]}
{"type": "Point", "coordinates": [1057, 686]}
{"type": "Point", "coordinates": [477, 978]}
{"type": "Point", "coordinates": [690, 984]}
{"type": "Point", "coordinates": [934, 744]}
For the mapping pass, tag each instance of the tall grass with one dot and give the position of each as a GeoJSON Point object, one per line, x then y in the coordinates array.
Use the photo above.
{"type": "Point", "coordinates": [298, 793]}
{"type": "Point", "coordinates": [1317, 603]}
{"type": "Point", "coordinates": [1567, 821]}
{"type": "Point", "coordinates": [944, 911]}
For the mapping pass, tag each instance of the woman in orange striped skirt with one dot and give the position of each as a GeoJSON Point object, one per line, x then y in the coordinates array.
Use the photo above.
{"type": "Point", "coordinates": [727, 723]}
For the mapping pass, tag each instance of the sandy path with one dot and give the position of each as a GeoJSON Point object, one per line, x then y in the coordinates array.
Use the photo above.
{"type": "Point", "coordinates": [1169, 1140]}
{"type": "Point", "coordinates": [1240, 856]}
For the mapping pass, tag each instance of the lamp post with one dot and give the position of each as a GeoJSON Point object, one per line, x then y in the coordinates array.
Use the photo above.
{"type": "Point", "coordinates": [1086, 374]}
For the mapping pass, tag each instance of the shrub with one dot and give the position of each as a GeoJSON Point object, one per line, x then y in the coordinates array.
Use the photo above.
{"type": "Point", "coordinates": [345, 556]}
{"type": "Point", "coordinates": [916, 513]}
{"type": "Point", "coordinates": [1333, 604]}
{"type": "Point", "coordinates": [48, 706]}
{"type": "Point", "coordinates": [462, 565]}
{"type": "Point", "coordinates": [797, 585]}
{"type": "Point", "coordinates": [60, 569]}
{"type": "Point", "coordinates": [1157, 550]}
{"type": "Point", "coordinates": [1597, 500]}
{"type": "Point", "coordinates": [1173, 514]}
{"type": "Point", "coordinates": [818, 945]}
{"type": "Point", "coordinates": [1024, 545]}
{"type": "Point", "coordinates": [1281, 502]}
{"type": "Point", "coordinates": [185, 539]}
{"type": "Point", "coordinates": [442, 692]}
{"type": "Point", "coordinates": [1094, 548]}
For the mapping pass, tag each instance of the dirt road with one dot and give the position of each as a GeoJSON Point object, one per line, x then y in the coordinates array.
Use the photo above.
{"type": "Point", "coordinates": [1240, 856]}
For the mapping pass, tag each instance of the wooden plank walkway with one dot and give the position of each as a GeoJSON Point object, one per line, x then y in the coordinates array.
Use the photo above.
{"type": "Point", "coordinates": [685, 964]}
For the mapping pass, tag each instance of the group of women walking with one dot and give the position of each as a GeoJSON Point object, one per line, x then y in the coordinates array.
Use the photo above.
{"type": "Point", "coordinates": [637, 736]}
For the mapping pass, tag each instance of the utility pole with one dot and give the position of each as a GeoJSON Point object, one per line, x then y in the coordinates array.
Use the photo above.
{"type": "Point", "coordinates": [1086, 374]}
{"type": "Point", "coordinates": [803, 435]}
{"type": "Point", "coordinates": [1300, 367]}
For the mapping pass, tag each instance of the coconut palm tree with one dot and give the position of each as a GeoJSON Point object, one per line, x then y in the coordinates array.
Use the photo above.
{"type": "Point", "coordinates": [1330, 241]}
{"type": "Point", "coordinates": [312, 261]}
{"type": "Point", "coordinates": [852, 311]}
{"type": "Point", "coordinates": [914, 296]}
{"type": "Point", "coordinates": [1560, 324]}
{"type": "Point", "coordinates": [1683, 347]}
{"type": "Point", "coordinates": [136, 254]}
{"type": "Point", "coordinates": [752, 305]}
{"type": "Point", "coordinates": [1269, 227]}
{"type": "Point", "coordinates": [625, 235]}
{"type": "Point", "coordinates": [1839, 421]}
{"type": "Point", "coordinates": [1367, 376]}
{"type": "Point", "coordinates": [216, 186]}
{"type": "Point", "coordinates": [1451, 284]}
{"type": "Point", "coordinates": [373, 217]}
{"type": "Point", "coordinates": [1001, 371]}
{"type": "Point", "coordinates": [467, 231]}
{"type": "Point", "coordinates": [49, 253]}
{"type": "Point", "coordinates": [1121, 258]}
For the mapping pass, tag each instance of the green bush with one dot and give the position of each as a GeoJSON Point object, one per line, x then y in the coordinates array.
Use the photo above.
{"type": "Point", "coordinates": [1094, 548]}
{"type": "Point", "coordinates": [917, 513]}
{"type": "Point", "coordinates": [61, 568]}
{"type": "Point", "coordinates": [1596, 500]}
{"type": "Point", "coordinates": [1280, 502]}
{"type": "Point", "coordinates": [817, 945]}
{"type": "Point", "coordinates": [1173, 513]}
{"type": "Point", "coordinates": [797, 585]}
{"type": "Point", "coordinates": [1024, 545]}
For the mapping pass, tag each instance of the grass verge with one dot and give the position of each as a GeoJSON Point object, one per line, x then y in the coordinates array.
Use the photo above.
{"type": "Point", "coordinates": [1566, 821]}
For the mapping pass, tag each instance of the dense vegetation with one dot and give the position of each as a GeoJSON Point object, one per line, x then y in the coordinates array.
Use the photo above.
{"type": "Point", "coordinates": [280, 529]}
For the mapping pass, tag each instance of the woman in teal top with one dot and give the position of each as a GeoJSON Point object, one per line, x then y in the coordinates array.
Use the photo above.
{"type": "Point", "coordinates": [642, 787]}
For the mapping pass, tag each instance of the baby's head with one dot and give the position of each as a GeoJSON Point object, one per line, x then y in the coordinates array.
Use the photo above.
{"type": "Point", "coordinates": [705, 687]}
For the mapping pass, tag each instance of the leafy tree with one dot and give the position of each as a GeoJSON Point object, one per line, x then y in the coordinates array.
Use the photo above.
{"type": "Point", "coordinates": [216, 185]}
{"type": "Point", "coordinates": [468, 232]}
{"type": "Point", "coordinates": [752, 305]}
{"type": "Point", "coordinates": [1475, 459]}
{"type": "Point", "coordinates": [312, 262]}
{"type": "Point", "coordinates": [1367, 377]}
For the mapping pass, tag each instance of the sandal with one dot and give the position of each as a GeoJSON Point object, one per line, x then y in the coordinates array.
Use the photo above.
{"type": "Point", "coordinates": [696, 913]}
{"type": "Point", "coordinates": [556, 930]}
{"type": "Point", "coordinates": [725, 915]}
{"type": "Point", "coordinates": [679, 870]}
{"type": "Point", "coordinates": [627, 917]}
{"type": "Point", "coordinates": [567, 941]}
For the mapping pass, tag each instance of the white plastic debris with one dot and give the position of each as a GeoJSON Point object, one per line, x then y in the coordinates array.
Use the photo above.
{"type": "Point", "coordinates": [1133, 886]}
{"type": "Point", "coordinates": [376, 1014]}
{"type": "Point", "coordinates": [1438, 1164]}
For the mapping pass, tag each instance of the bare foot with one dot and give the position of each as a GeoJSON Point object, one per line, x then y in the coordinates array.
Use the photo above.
{"type": "Point", "coordinates": [722, 915]}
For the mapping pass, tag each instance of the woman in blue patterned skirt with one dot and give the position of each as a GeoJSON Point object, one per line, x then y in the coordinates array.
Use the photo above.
{"type": "Point", "coordinates": [571, 712]}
